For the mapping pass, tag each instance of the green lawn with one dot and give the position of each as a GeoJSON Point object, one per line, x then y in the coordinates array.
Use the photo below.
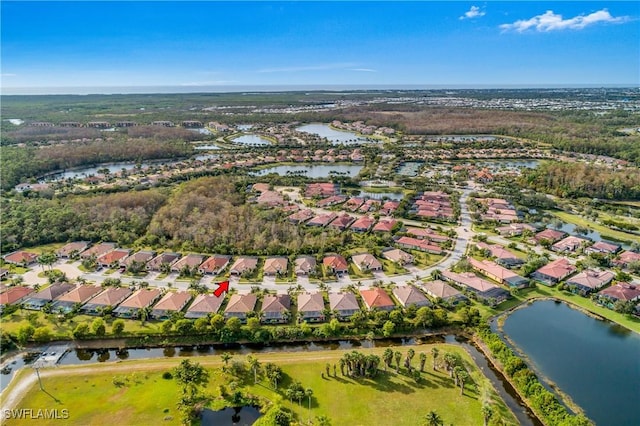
{"type": "Point", "coordinates": [602, 229]}
{"type": "Point", "coordinates": [392, 268]}
{"type": "Point", "coordinates": [146, 398]}
{"type": "Point", "coordinates": [63, 328]}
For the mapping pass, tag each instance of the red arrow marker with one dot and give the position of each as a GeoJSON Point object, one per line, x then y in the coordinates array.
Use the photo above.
{"type": "Point", "coordinates": [222, 287]}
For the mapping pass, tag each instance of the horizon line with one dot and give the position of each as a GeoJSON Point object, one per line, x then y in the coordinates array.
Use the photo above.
{"type": "Point", "coordinates": [239, 88]}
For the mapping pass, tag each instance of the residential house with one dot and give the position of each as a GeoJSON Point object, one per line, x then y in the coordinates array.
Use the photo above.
{"type": "Point", "coordinates": [141, 299]}
{"type": "Point", "coordinates": [550, 235]}
{"type": "Point", "coordinates": [311, 307]}
{"type": "Point", "coordinates": [408, 295]}
{"type": "Point", "coordinates": [426, 234]}
{"type": "Point", "coordinates": [555, 271]}
{"type": "Point", "coordinates": [384, 225]}
{"type": "Point", "coordinates": [502, 256]}
{"type": "Point", "coordinates": [322, 220]}
{"type": "Point", "coordinates": [98, 250]}
{"type": "Point", "coordinates": [569, 244]}
{"type": "Point", "coordinates": [353, 204]}
{"type": "Point", "coordinates": [204, 305]}
{"type": "Point", "coordinates": [344, 305]}
{"type": "Point", "coordinates": [276, 309]}
{"type": "Point", "coordinates": [498, 273]}
{"type": "Point", "coordinates": [112, 259]}
{"type": "Point", "coordinates": [109, 298]}
{"type": "Point", "coordinates": [626, 258]}
{"type": "Point", "coordinates": [621, 292]}
{"type": "Point", "coordinates": [440, 290]}
{"type": "Point", "coordinates": [72, 250]}
{"type": "Point", "coordinates": [21, 258]}
{"type": "Point", "coordinates": [514, 229]}
{"type": "Point", "coordinates": [603, 247]}
{"type": "Point", "coordinates": [366, 262]}
{"type": "Point", "coordinates": [305, 265]}
{"type": "Point", "coordinates": [214, 265]}
{"type": "Point", "coordinates": [398, 256]}
{"type": "Point", "coordinates": [377, 298]}
{"type": "Point", "coordinates": [76, 297]}
{"type": "Point", "coordinates": [4, 273]}
{"type": "Point", "coordinates": [321, 189]}
{"type": "Point", "coordinates": [46, 295]}
{"type": "Point", "coordinates": [166, 258]}
{"type": "Point", "coordinates": [243, 265]}
{"type": "Point", "coordinates": [498, 210]}
{"type": "Point", "coordinates": [301, 216]}
{"type": "Point", "coordinates": [363, 224]}
{"type": "Point", "coordinates": [336, 264]}
{"type": "Point", "coordinates": [275, 266]}
{"type": "Point", "coordinates": [240, 305]}
{"type": "Point", "coordinates": [590, 280]}
{"type": "Point", "coordinates": [170, 303]}
{"type": "Point", "coordinates": [14, 295]}
{"type": "Point", "coordinates": [271, 199]}
{"type": "Point", "coordinates": [331, 201]}
{"type": "Point", "coordinates": [342, 222]}
{"type": "Point", "coordinates": [481, 287]}
{"type": "Point", "coordinates": [140, 258]}
{"type": "Point", "coordinates": [190, 262]}
{"type": "Point", "coordinates": [416, 244]}
{"type": "Point", "coordinates": [389, 207]}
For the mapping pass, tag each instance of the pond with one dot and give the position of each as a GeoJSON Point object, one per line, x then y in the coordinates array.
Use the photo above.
{"type": "Point", "coordinates": [236, 416]}
{"type": "Point", "coordinates": [253, 140]}
{"type": "Point", "coordinates": [570, 228]}
{"type": "Point", "coordinates": [312, 171]}
{"type": "Point", "coordinates": [382, 195]}
{"type": "Point", "coordinates": [336, 137]}
{"type": "Point", "coordinates": [84, 172]}
{"type": "Point", "coordinates": [594, 362]}
{"type": "Point", "coordinates": [206, 147]}
{"type": "Point", "coordinates": [497, 165]}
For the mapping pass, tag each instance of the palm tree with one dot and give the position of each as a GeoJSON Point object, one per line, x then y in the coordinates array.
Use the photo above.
{"type": "Point", "coordinates": [308, 392]}
{"type": "Point", "coordinates": [226, 357]}
{"type": "Point", "coordinates": [407, 362]}
{"type": "Point", "coordinates": [397, 356]}
{"type": "Point", "coordinates": [434, 352]}
{"type": "Point", "coordinates": [433, 419]}
{"type": "Point", "coordinates": [463, 376]}
{"type": "Point", "coordinates": [423, 360]}
{"type": "Point", "coordinates": [255, 365]}
{"type": "Point", "coordinates": [144, 314]}
{"type": "Point", "coordinates": [387, 356]}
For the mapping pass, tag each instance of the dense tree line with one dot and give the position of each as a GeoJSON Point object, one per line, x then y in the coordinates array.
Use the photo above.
{"type": "Point", "coordinates": [119, 217]}
{"type": "Point", "coordinates": [210, 214]}
{"type": "Point", "coordinates": [20, 163]}
{"type": "Point", "coordinates": [572, 180]}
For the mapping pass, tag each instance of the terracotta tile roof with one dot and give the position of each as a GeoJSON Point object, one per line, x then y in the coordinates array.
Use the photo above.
{"type": "Point", "coordinates": [142, 256]}
{"type": "Point", "coordinates": [14, 294]}
{"type": "Point", "coordinates": [243, 264]}
{"type": "Point", "coordinates": [113, 256]}
{"type": "Point", "coordinates": [305, 264]}
{"type": "Point", "coordinates": [215, 263]}
{"type": "Point", "coordinates": [141, 298]}
{"type": "Point", "coordinates": [205, 303]}
{"type": "Point", "coordinates": [76, 246]}
{"type": "Point", "coordinates": [98, 250]}
{"type": "Point", "coordinates": [397, 255]}
{"type": "Point", "coordinates": [52, 291]}
{"type": "Point", "coordinates": [276, 303]}
{"type": "Point", "coordinates": [592, 279]}
{"type": "Point", "coordinates": [80, 294]}
{"type": "Point", "coordinates": [173, 301]}
{"type": "Point", "coordinates": [336, 262]}
{"type": "Point", "coordinates": [310, 302]}
{"type": "Point", "coordinates": [273, 265]}
{"type": "Point", "coordinates": [111, 296]}
{"type": "Point", "coordinates": [21, 256]}
{"type": "Point", "coordinates": [190, 260]}
{"type": "Point", "coordinates": [366, 261]}
{"type": "Point", "coordinates": [377, 298]}
{"type": "Point", "coordinates": [622, 291]}
{"type": "Point", "coordinates": [441, 289]}
{"type": "Point", "coordinates": [241, 303]}
{"type": "Point", "coordinates": [557, 269]}
{"type": "Point", "coordinates": [384, 225]}
{"type": "Point", "coordinates": [343, 302]}
{"type": "Point", "coordinates": [409, 295]}
{"type": "Point", "coordinates": [363, 224]}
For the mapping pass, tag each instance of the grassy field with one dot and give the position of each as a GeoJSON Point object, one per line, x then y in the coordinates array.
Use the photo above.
{"type": "Point", "coordinates": [605, 231]}
{"type": "Point", "coordinates": [146, 398]}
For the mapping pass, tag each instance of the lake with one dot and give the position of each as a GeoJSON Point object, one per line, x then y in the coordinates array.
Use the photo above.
{"type": "Point", "coordinates": [570, 228]}
{"type": "Point", "coordinates": [336, 137]}
{"type": "Point", "coordinates": [595, 362]}
{"type": "Point", "coordinates": [254, 140]}
{"type": "Point", "coordinates": [496, 165]}
{"type": "Point", "coordinates": [206, 147]}
{"type": "Point", "coordinates": [381, 195]}
{"type": "Point", "coordinates": [313, 171]}
{"type": "Point", "coordinates": [409, 168]}
{"type": "Point", "coordinates": [91, 171]}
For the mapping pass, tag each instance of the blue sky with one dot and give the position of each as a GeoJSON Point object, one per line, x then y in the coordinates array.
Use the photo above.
{"type": "Point", "coordinates": [502, 43]}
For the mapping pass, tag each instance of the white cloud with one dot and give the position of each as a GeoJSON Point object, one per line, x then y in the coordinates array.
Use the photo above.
{"type": "Point", "coordinates": [474, 12]}
{"type": "Point", "coordinates": [320, 67]}
{"type": "Point", "coordinates": [363, 69]}
{"type": "Point", "coordinates": [550, 21]}
{"type": "Point", "coordinates": [8, 75]}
